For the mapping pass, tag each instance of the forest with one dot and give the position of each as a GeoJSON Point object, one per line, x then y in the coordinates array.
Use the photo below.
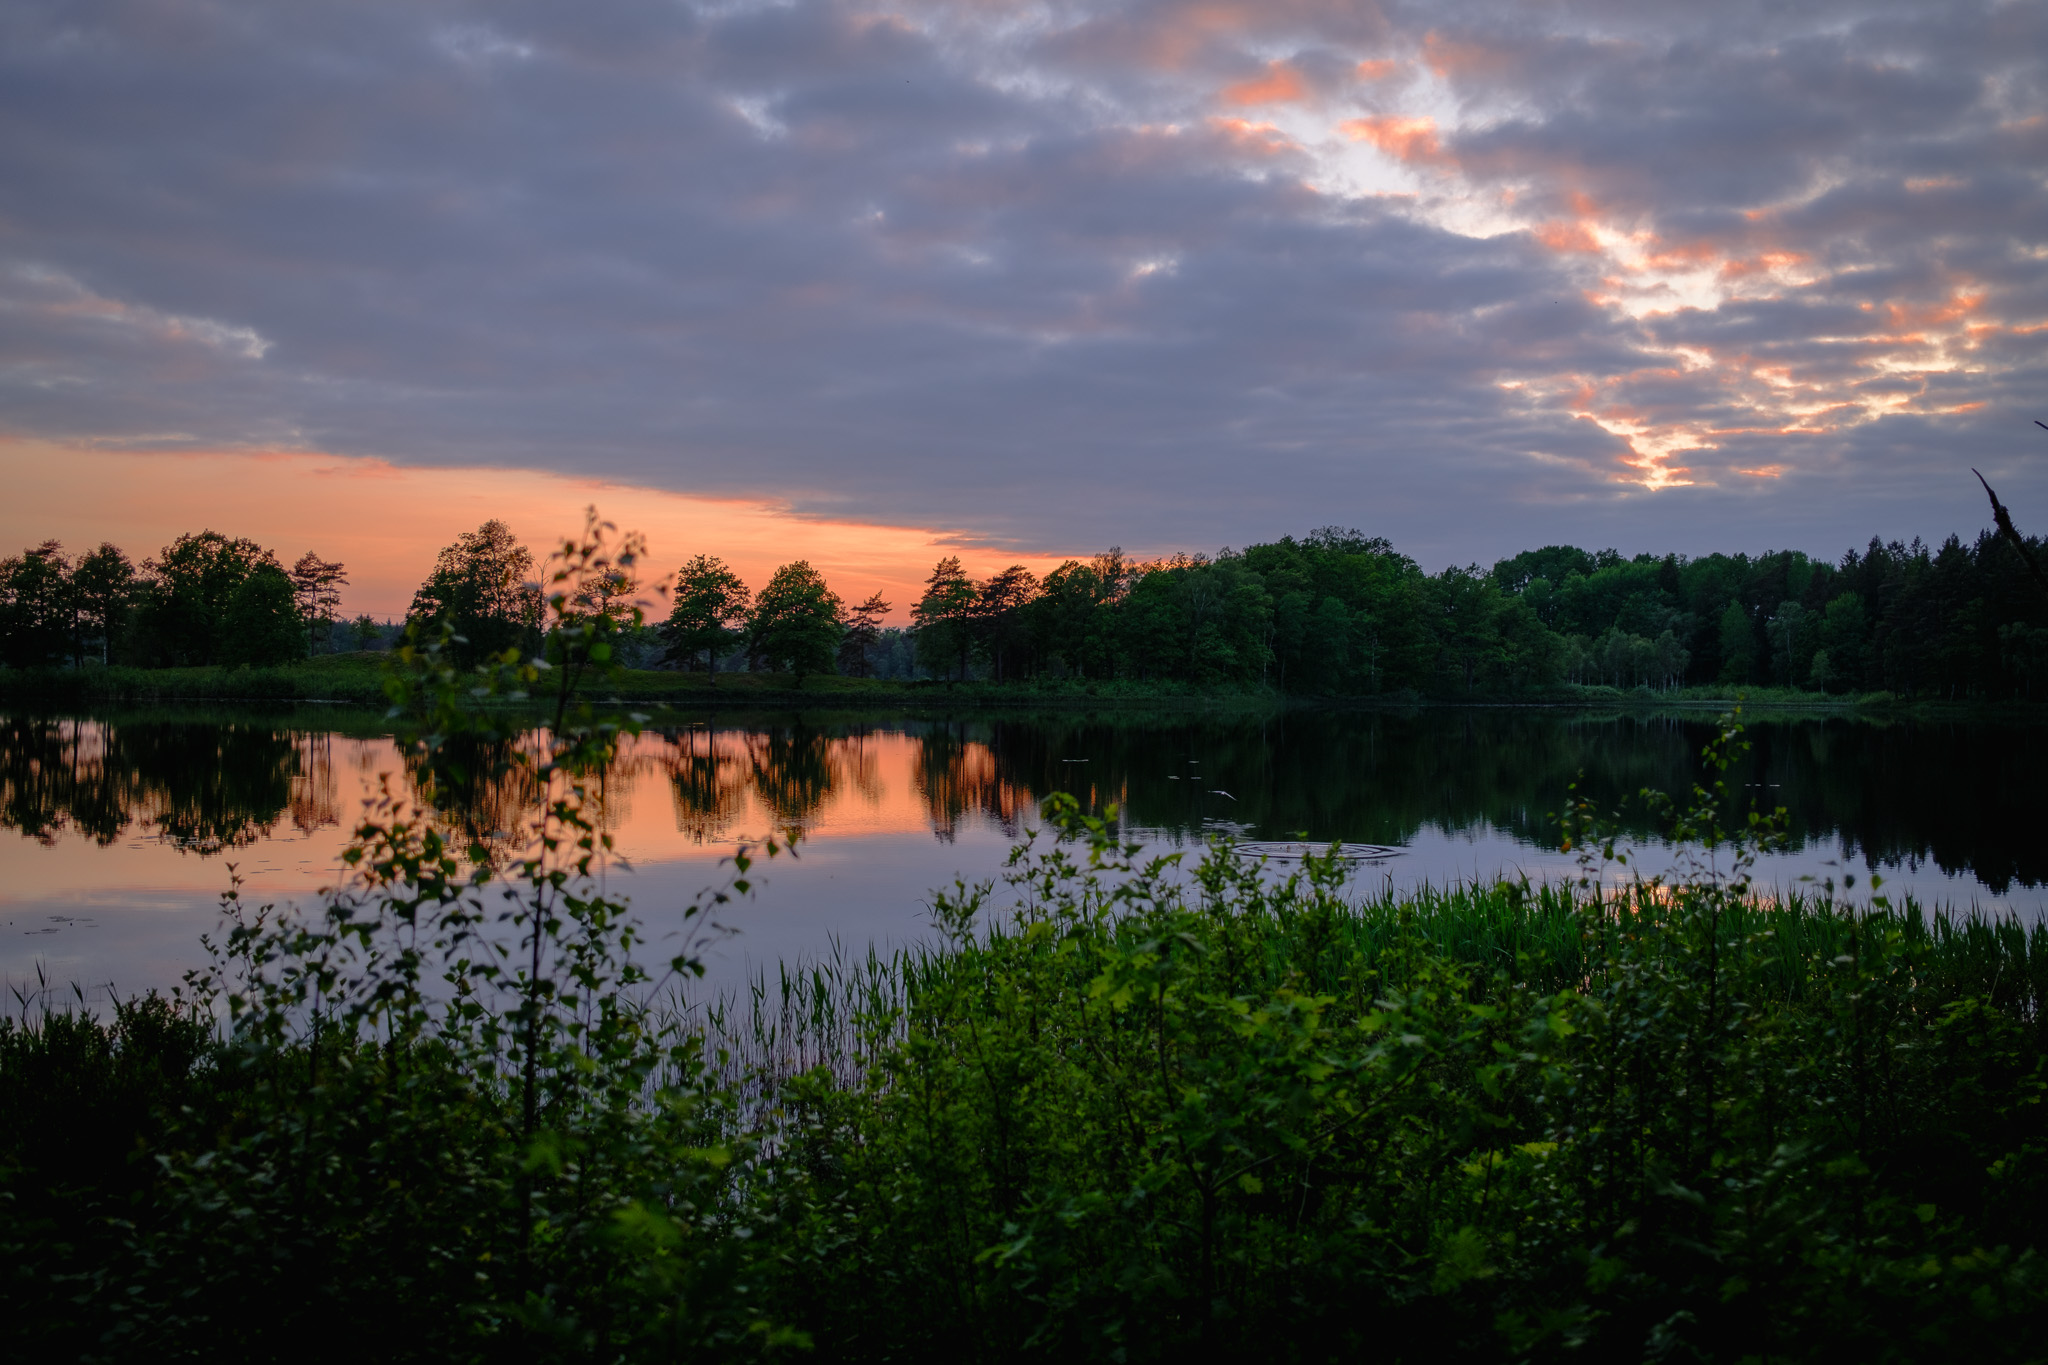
{"type": "Point", "coordinates": [1332, 613]}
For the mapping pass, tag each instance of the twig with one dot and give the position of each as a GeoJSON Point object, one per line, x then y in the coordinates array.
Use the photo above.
{"type": "Point", "coordinates": [2011, 532]}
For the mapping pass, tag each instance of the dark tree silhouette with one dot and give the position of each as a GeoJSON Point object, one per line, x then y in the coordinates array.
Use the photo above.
{"type": "Point", "coordinates": [482, 587]}
{"type": "Point", "coordinates": [863, 626]}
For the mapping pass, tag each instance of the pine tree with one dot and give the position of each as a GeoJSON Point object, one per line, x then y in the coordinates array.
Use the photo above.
{"type": "Point", "coordinates": [863, 628]}
{"type": "Point", "coordinates": [944, 616]}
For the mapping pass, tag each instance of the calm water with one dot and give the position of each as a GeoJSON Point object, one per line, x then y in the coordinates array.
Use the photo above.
{"type": "Point", "coordinates": [120, 828]}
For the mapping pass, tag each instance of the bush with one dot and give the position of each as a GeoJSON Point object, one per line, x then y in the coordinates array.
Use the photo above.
{"type": "Point", "coordinates": [445, 1115]}
{"type": "Point", "coordinates": [1137, 1119]}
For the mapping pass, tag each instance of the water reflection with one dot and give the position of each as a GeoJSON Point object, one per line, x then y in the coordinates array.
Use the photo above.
{"type": "Point", "coordinates": [201, 786]}
{"type": "Point", "coordinates": [1964, 798]}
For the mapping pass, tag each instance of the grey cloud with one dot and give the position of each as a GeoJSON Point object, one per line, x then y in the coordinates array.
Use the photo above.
{"type": "Point", "coordinates": [1004, 271]}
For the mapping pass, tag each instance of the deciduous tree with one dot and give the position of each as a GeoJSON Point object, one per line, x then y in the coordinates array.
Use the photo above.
{"type": "Point", "coordinates": [711, 605]}
{"type": "Point", "coordinates": [184, 615]}
{"type": "Point", "coordinates": [105, 584]}
{"type": "Point", "coordinates": [482, 587]}
{"type": "Point", "coordinates": [262, 624]}
{"type": "Point", "coordinates": [795, 623]}
{"type": "Point", "coordinates": [37, 607]}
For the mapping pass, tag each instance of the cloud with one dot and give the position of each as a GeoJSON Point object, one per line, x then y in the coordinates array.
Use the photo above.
{"type": "Point", "coordinates": [1169, 274]}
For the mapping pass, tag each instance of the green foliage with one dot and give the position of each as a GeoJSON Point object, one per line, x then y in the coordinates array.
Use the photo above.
{"type": "Point", "coordinates": [710, 607]}
{"type": "Point", "coordinates": [188, 608]}
{"type": "Point", "coordinates": [944, 618]}
{"type": "Point", "coordinates": [1335, 613]}
{"type": "Point", "coordinates": [1738, 645]}
{"type": "Point", "coordinates": [1142, 1115]}
{"type": "Point", "coordinates": [1146, 1111]}
{"type": "Point", "coordinates": [480, 591]}
{"type": "Point", "coordinates": [440, 1121]}
{"type": "Point", "coordinates": [262, 624]}
{"type": "Point", "coordinates": [795, 623]}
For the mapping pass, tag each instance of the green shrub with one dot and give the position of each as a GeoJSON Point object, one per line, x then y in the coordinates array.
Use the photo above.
{"type": "Point", "coordinates": [1143, 1112]}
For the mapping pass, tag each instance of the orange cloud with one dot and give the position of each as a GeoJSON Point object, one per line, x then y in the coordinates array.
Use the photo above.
{"type": "Point", "coordinates": [1411, 140]}
{"type": "Point", "coordinates": [1281, 84]}
{"type": "Point", "coordinates": [1766, 471]}
{"type": "Point", "coordinates": [1562, 235]}
{"type": "Point", "coordinates": [386, 522]}
{"type": "Point", "coordinates": [1378, 70]}
{"type": "Point", "coordinates": [1933, 316]}
{"type": "Point", "coordinates": [1259, 139]}
{"type": "Point", "coordinates": [1762, 263]}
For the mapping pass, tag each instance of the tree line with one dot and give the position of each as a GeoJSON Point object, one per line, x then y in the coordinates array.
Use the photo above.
{"type": "Point", "coordinates": [1335, 612]}
{"type": "Point", "coordinates": [204, 599]}
{"type": "Point", "coordinates": [1339, 613]}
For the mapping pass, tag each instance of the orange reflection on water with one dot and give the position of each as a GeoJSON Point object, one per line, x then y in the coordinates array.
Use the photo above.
{"type": "Point", "coordinates": [136, 808]}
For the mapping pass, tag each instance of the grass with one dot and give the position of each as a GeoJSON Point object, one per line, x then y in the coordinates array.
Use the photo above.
{"type": "Point", "coordinates": [825, 1012]}
{"type": "Point", "coordinates": [1136, 1113]}
{"type": "Point", "coordinates": [358, 678]}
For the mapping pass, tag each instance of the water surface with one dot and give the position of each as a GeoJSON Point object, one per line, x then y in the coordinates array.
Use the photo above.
{"type": "Point", "coordinates": [118, 829]}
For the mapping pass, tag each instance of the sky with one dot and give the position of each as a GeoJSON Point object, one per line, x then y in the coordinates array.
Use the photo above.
{"type": "Point", "coordinates": [1020, 280]}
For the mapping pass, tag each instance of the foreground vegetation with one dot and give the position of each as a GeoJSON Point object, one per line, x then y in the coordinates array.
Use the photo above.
{"type": "Point", "coordinates": [1126, 1110]}
{"type": "Point", "coordinates": [1137, 1113]}
{"type": "Point", "coordinates": [1137, 1117]}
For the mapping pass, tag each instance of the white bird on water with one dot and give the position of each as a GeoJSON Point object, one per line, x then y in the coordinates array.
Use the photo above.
{"type": "Point", "coordinates": [1215, 792]}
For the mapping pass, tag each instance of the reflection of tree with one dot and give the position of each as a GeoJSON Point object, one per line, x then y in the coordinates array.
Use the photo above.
{"type": "Point", "coordinates": [858, 764]}
{"type": "Point", "coordinates": [202, 785]}
{"type": "Point", "coordinates": [213, 786]}
{"type": "Point", "coordinates": [955, 775]}
{"type": "Point", "coordinates": [477, 792]}
{"type": "Point", "coordinates": [44, 776]}
{"type": "Point", "coordinates": [707, 787]}
{"type": "Point", "coordinates": [316, 800]}
{"type": "Point", "coordinates": [794, 771]}
{"type": "Point", "coordinates": [1958, 796]}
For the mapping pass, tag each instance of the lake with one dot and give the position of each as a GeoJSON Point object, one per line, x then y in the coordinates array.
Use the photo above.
{"type": "Point", "coordinates": [120, 827]}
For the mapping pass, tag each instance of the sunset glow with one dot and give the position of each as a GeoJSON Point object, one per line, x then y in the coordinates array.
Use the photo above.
{"type": "Point", "coordinates": [1037, 281]}
{"type": "Point", "coordinates": [386, 522]}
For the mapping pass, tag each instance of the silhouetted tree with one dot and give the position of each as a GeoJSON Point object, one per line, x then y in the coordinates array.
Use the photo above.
{"type": "Point", "coordinates": [944, 616]}
{"type": "Point", "coordinates": [795, 622]}
{"type": "Point", "coordinates": [998, 616]}
{"type": "Point", "coordinates": [482, 587]}
{"type": "Point", "coordinates": [316, 587]}
{"type": "Point", "coordinates": [183, 616]}
{"type": "Point", "coordinates": [37, 607]}
{"type": "Point", "coordinates": [262, 624]}
{"type": "Point", "coordinates": [105, 584]}
{"type": "Point", "coordinates": [711, 605]}
{"type": "Point", "coordinates": [863, 628]}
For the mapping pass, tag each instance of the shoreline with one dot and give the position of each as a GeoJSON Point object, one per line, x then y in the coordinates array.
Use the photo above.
{"type": "Point", "coordinates": [358, 681]}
